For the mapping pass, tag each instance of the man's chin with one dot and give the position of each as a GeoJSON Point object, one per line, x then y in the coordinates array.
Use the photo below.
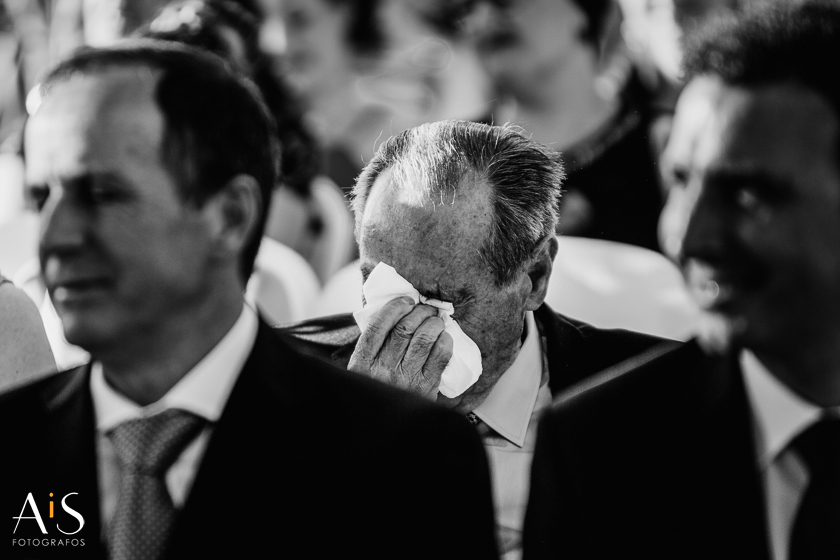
{"type": "Point", "coordinates": [85, 333]}
{"type": "Point", "coordinates": [721, 334]}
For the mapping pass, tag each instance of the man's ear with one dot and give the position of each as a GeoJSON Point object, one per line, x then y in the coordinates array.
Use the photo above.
{"type": "Point", "coordinates": [539, 271]}
{"type": "Point", "coordinates": [234, 215]}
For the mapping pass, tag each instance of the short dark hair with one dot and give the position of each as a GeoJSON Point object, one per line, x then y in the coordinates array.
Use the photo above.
{"type": "Point", "coordinates": [216, 124]}
{"type": "Point", "coordinates": [525, 179]}
{"type": "Point", "coordinates": [781, 43]}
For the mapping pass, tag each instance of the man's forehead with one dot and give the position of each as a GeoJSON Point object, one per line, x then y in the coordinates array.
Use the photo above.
{"type": "Point", "coordinates": [397, 202]}
{"type": "Point", "coordinates": [100, 114]}
{"type": "Point", "coordinates": [430, 239]}
{"type": "Point", "coordinates": [717, 123]}
{"type": "Point", "coordinates": [698, 117]}
{"type": "Point", "coordinates": [102, 91]}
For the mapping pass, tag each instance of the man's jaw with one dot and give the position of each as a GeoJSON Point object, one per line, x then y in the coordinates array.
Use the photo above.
{"type": "Point", "coordinates": [724, 291]}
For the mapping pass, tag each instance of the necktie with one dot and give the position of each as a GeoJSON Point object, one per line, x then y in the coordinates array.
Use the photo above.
{"type": "Point", "coordinates": [816, 530]}
{"type": "Point", "coordinates": [147, 447]}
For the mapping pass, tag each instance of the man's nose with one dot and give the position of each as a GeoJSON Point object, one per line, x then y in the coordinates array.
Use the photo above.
{"type": "Point", "coordinates": [63, 223]}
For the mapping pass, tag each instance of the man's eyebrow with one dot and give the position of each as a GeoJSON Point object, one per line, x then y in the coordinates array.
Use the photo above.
{"type": "Point", "coordinates": [757, 178]}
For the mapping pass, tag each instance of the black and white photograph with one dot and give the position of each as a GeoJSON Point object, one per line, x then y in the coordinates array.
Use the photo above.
{"type": "Point", "coordinates": [420, 279]}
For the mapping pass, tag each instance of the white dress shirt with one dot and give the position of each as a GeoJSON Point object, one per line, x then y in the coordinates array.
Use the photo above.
{"type": "Point", "coordinates": [203, 391]}
{"type": "Point", "coordinates": [779, 416]}
{"type": "Point", "coordinates": [510, 412]}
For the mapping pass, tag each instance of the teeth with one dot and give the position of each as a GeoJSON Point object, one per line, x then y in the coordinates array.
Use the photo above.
{"type": "Point", "coordinates": [711, 290]}
{"type": "Point", "coordinates": [707, 293]}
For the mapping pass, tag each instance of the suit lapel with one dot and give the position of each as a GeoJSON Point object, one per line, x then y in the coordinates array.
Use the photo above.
{"type": "Point", "coordinates": [565, 348]}
{"type": "Point", "coordinates": [244, 447]}
{"type": "Point", "coordinates": [71, 440]}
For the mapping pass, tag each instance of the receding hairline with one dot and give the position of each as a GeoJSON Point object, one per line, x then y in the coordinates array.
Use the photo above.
{"type": "Point", "coordinates": [116, 83]}
{"type": "Point", "coordinates": [781, 86]}
{"type": "Point", "coordinates": [107, 100]}
{"type": "Point", "coordinates": [402, 209]}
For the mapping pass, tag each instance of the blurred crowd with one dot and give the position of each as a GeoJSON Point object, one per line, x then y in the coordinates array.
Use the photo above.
{"type": "Point", "coordinates": [596, 80]}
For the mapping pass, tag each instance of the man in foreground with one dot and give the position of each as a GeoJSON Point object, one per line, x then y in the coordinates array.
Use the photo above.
{"type": "Point", "coordinates": [464, 214]}
{"type": "Point", "coordinates": [197, 432]}
{"type": "Point", "coordinates": [728, 447]}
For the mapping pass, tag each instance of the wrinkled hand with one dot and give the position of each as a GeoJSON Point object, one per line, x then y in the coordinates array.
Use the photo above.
{"type": "Point", "coordinates": [404, 345]}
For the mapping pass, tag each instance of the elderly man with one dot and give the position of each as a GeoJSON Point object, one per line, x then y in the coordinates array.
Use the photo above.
{"type": "Point", "coordinates": [729, 447]}
{"type": "Point", "coordinates": [197, 432]}
{"type": "Point", "coordinates": [465, 214]}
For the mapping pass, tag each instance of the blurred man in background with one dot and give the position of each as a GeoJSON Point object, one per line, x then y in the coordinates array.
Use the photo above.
{"type": "Point", "coordinates": [729, 447]}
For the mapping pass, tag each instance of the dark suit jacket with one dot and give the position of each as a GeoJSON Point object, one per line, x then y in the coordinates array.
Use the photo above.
{"type": "Point", "coordinates": [306, 461]}
{"type": "Point", "coordinates": [657, 462]}
{"type": "Point", "coordinates": [575, 349]}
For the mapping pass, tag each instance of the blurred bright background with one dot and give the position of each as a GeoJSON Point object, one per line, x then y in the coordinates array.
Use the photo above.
{"type": "Point", "coordinates": [594, 79]}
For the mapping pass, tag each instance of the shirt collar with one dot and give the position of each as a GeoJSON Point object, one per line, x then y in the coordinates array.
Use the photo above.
{"type": "Point", "coordinates": [780, 414]}
{"type": "Point", "coordinates": [508, 407]}
{"type": "Point", "coordinates": [204, 390]}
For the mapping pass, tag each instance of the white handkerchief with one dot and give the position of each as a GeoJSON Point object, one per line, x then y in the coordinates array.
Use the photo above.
{"type": "Point", "coordinates": [384, 284]}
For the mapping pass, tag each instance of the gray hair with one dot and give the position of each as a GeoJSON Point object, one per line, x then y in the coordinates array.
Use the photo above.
{"type": "Point", "coordinates": [435, 160]}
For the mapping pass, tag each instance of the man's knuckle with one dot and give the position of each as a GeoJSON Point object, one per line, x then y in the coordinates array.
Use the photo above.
{"type": "Point", "coordinates": [401, 331]}
{"type": "Point", "coordinates": [373, 331]}
{"type": "Point", "coordinates": [425, 339]}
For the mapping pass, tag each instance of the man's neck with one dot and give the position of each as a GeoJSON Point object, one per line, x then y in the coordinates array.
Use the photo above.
{"type": "Point", "coordinates": [813, 372]}
{"type": "Point", "coordinates": [567, 108]}
{"type": "Point", "coordinates": [147, 367]}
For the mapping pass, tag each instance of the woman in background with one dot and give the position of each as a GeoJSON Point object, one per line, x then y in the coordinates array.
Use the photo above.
{"type": "Point", "coordinates": [307, 213]}
{"type": "Point", "coordinates": [24, 351]}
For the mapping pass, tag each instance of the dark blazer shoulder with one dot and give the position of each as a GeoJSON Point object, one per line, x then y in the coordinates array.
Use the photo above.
{"type": "Point", "coordinates": [347, 453]}
{"type": "Point", "coordinates": [32, 399]}
{"type": "Point", "coordinates": [308, 378]}
{"type": "Point", "coordinates": [577, 350]}
{"type": "Point", "coordinates": [649, 460]}
{"type": "Point", "coordinates": [331, 338]}
{"type": "Point", "coordinates": [51, 430]}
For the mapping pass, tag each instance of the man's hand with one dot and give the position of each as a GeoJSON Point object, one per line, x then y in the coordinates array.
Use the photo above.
{"type": "Point", "coordinates": [404, 345]}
